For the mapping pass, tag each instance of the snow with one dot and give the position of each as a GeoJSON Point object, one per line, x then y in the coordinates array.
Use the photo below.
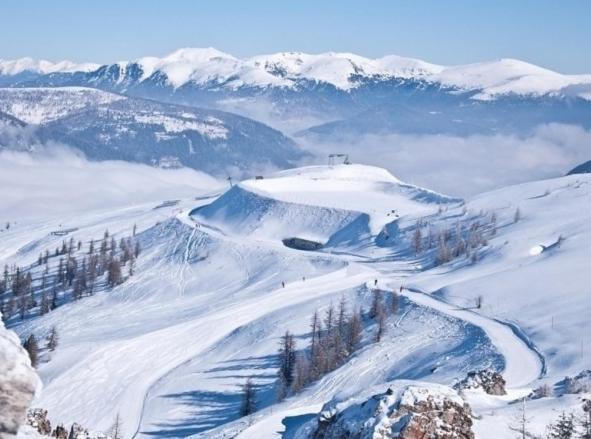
{"type": "Point", "coordinates": [14, 67]}
{"type": "Point", "coordinates": [210, 127]}
{"type": "Point", "coordinates": [42, 105]}
{"type": "Point", "coordinates": [416, 394]}
{"type": "Point", "coordinates": [332, 68]}
{"type": "Point", "coordinates": [358, 188]}
{"type": "Point", "coordinates": [401, 67]}
{"type": "Point", "coordinates": [204, 66]}
{"type": "Point", "coordinates": [544, 295]}
{"type": "Point", "coordinates": [536, 250]}
{"type": "Point", "coordinates": [522, 365]}
{"type": "Point", "coordinates": [507, 76]}
{"type": "Point", "coordinates": [169, 349]}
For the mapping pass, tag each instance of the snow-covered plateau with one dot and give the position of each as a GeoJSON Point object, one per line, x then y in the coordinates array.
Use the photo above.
{"type": "Point", "coordinates": [183, 334]}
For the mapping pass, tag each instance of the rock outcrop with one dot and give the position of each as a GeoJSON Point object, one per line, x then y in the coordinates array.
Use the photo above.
{"type": "Point", "coordinates": [488, 380]}
{"type": "Point", "coordinates": [18, 382]}
{"type": "Point", "coordinates": [37, 418]}
{"type": "Point", "coordinates": [38, 426]}
{"type": "Point", "coordinates": [415, 412]}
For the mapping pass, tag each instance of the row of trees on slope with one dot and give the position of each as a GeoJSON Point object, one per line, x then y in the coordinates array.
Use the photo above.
{"type": "Point", "coordinates": [34, 349]}
{"type": "Point", "coordinates": [334, 337]}
{"type": "Point", "coordinates": [68, 273]}
{"type": "Point", "coordinates": [464, 238]}
{"type": "Point", "coordinates": [566, 426]}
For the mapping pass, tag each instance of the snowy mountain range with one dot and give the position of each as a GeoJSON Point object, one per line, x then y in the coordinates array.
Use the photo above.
{"type": "Point", "coordinates": [107, 126]}
{"type": "Point", "coordinates": [295, 91]}
{"type": "Point", "coordinates": [344, 71]}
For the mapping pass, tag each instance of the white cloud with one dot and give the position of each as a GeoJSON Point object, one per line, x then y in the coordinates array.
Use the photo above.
{"type": "Point", "coordinates": [466, 166]}
{"type": "Point", "coordinates": [55, 180]}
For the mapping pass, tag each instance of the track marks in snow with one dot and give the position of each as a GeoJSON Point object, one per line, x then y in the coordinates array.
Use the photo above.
{"type": "Point", "coordinates": [185, 262]}
{"type": "Point", "coordinates": [522, 363]}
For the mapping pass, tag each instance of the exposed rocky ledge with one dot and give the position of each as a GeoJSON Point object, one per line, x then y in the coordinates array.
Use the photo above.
{"type": "Point", "coordinates": [415, 412]}
{"type": "Point", "coordinates": [38, 426]}
{"type": "Point", "coordinates": [18, 382]}
{"type": "Point", "coordinates": [488, 380]}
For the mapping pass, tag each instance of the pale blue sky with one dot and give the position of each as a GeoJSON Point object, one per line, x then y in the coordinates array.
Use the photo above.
{"type": "Point", "coordinates": [552, 33]}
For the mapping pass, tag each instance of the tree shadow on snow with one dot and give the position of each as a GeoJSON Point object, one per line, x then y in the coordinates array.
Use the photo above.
{"type": "Point", "coordinates": [210, 409]}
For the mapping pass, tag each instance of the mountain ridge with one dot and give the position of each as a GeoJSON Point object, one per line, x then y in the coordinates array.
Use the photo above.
{"type": "Point", "coordinates": [108, 126]}
{"type": "Point", "coordinates": [209, 66]}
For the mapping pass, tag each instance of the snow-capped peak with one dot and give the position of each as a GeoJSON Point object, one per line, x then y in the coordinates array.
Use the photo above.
{"type": "Point", "coordinates": [337, 69]}
{"type": "Point", "coordinates": [203, 66]}
{"type": "Point", "coordinates": [507, 75]}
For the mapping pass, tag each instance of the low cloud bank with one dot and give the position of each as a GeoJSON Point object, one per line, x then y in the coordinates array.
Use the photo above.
{"type": "Point", "coordinates": [54, 179]}
{"type": "Point", "coordinates": [466, 166]}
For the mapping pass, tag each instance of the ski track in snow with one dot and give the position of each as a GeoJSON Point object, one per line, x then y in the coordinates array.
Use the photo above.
{"type": "Point", "coordinates": [186, 260]}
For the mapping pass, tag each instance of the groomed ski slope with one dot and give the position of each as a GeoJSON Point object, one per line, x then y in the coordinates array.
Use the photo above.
{"type": "Point", "coordinates": [204, 281]}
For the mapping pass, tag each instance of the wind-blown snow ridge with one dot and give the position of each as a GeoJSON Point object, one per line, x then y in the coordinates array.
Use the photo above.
{"type": "Point", "coordinates": [345, 71]}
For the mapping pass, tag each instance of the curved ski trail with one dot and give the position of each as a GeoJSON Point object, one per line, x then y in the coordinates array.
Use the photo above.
{"type": "Point", "coordinates": [522, 363]}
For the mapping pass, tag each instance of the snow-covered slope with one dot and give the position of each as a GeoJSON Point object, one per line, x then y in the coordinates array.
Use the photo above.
{"type": "Point", "coordinates": [315, 202]}
{"type": "Point", "coordinates": [506, 76]}
{"type": "Point", "coordinates": [42, 105]}
{"type": "Point", "coordinates": [214, 290]}
{"type": "Point", "coordinates": [545, 293]}
{"type": "Point", "coordinates": [204, 66]}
